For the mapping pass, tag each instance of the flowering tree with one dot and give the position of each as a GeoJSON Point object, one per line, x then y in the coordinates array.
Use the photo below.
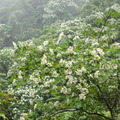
{"type": "Point", "coordinates": [57, 77]}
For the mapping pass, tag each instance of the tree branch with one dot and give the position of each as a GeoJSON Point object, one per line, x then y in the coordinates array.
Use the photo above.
{"type": "Point", "coordinates": [104, 98]}
{"type": "Point", "coordinates": [76, 109]}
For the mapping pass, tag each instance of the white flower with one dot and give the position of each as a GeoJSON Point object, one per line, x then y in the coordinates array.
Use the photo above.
{"type": "Point", "coordinates": [90, 76]}
{"type": "Point", "coordinates": [96, 57]}
{"type": "Point", "coordinates": [78, 72]}
{"type": "Point", "coordinates": [68, 72]}
{"type": "Point", "coordinates": [36, 80]}
{"type": "Point", "coordinates": [19, 75]}
{"type": "Point", "coordinates": [82, 96]}
{"type": "Point", "coordinates": [56, 103]}
{"type": "Point", "coordinates": [96, 74]}
{"type": "Point", "coordinates": [70, 50]}
{"type": "Point", "coordinates": [40, 47]}
{"type": "Point", "coordinates": [23, 59]}
{"type": "Point", "coordinates": [62, 61]}
{"type": "Point", "coordinates": [14, 64]}
{"type": "Point", "coordinates": [35, 106]}
{"type": "Point", "coordinates": [58, 55]}
{"type": "Point", "coordinates": [95, 44]}
{"type": "Point", "coordinates": [76, 37]}
{"type": "Point", "coordinates": [51, 51]}
{"type": "Point", "coordinates": [60, 37]}
{"type": "Point", "coordinates": [55, 74]}
{"type": "Point", "coordinates": [54, 87]}
{"type": "Point", "coordinates": [21, 118]}
{"type": "Point", "coordinates": [93, 52]}
{"type": "Point", "coordinates": [84, 90]}
{"type": "Point", "coordinates": [45, 43]}
{"type": "Point", "coordinates": [100, 51]}
{"type": "Point", "coordinates": [13, 52]}
{"type": "Point", "coordinates": [68, 64]}
{"type": "Point", "coordinates": [46, 84]}
{"type": "Point", "coordinates": [44, 60]}
{"type": "Point", "coordinates": [79, 87]}
{"type": "Point", "coordinates": [15, 45]}
{"type": "Point", "coordinates": [64, 90]}
{"type": "Point", "coordinates": [31, 102]}
{"type": "Point", "coordinates": [49, 64]}
{"type": "Point", "coordinates": [83, 69]}
{"type": "Point", "coordinates": [24, 114]}
{"type": "Point", "coordinates": [117, 45]}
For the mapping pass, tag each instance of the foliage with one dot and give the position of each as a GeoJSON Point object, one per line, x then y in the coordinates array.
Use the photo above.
{"type": "Point", "coordinates": [78, 72]}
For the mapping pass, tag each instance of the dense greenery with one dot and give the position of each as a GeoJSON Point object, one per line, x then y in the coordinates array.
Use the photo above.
{"type": "Point", "coordinates": [68, 71]}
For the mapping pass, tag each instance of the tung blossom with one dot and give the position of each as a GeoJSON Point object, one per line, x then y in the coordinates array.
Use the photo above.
{"type": "Point", "coordinates": [96, 74]}
{"type": "Point", "coordinates": [45, 43]}
{"type": "Point", "coordinates": [61, 35]}
{"type": "Point", "coordinates": [55, 74]}
{"type": "Point", "coordinates": [100, 51]}
{"type": "Point", "coordinates": [51, 51]}
{"type": "Point", "coordinates": [15, 45]}
{"type": "Point", "coordinates": [82, 96]}
{"type": "Point", "coordinates": [68, 72]}
{"type": "Point", "coordinates": [65, 90]}
{"type": "Point", "coordinates": [70, 50]}
{"type": "Point", "coordinates": [40, 47]}
{"type": "Point", "coordinates": [44, 60]}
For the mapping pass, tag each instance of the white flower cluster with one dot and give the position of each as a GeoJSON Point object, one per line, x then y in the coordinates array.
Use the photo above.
{"type": "Point", "coordinates": [68, 64]}
{"type": "Point", "coordinates": [55, 74]}
{"type": "Point", "coordinates": [61, 35]}
{"type": "Point", "coordinates": [40, 47]}
{"type": "Point", "coordinates": [94, 53]}
{"type": "Point", "coordinates": [82, 70]}
{"type": "Point", "coordinates": [96, 74]}
{"type": "Point", "coordinates": [15, 45]}
{"type": "Point", "coordinates": [65, 90]}
{"type": "Point", "coordinates": [68, 72]}
{"type": "Point", "coordinates": [100, 51]}
{"type": "Point", "coordinates": [117, 45]}
{"type": "Point", "coordinates": [44, 60]}
{"type": "Point", "coordinates": [51, 51]}
{"type": "Point", "coordinates": [20, 75]}
{"type": "Point", "coordinates": [45, 43]}
{"type": "Point", "coordinates": [84, 92]}
{"type": "Point", "coordinates": [56, 103]}
{"type": "Point", "coordinates": [71, 80]}
{"type": "Point", "coordinates": [35, 77]}
{"type": "Point", "coordinates": [70, 50]}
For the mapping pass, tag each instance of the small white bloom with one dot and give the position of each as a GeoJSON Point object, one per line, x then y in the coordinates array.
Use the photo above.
{"type": "Point", "coordinates": [68, 72]}
{"type": "Point", "coordinates": [100, 51]}
{"type": "Point", "coordinates": [46, 84]}
{"type": "Point", "coordinates": [79, 87]}
{"type": "Point", "coordinates": [93, 52]}
{"type": "Point", "coordinates": [51, 51]}
{"type": "Point", "coordinates": [82, 96]}
{"type": "Point", "coordinates": [45, 43]}
{"type": "Point", "coordinates": [96, 74]}
{"type": "Point", "coordinates": [61, 35]}
{"type": "Point", "coordinates": [55, 74]}
{"type": "Point", "coordinates": [56, 103]}
{"type": "Point", "coordinates": [68, 64]}
{"type": "Point", "coordinates": [70, 50]}
{"type": "Point", "coordinates": [15, 45]}
{"type": "Point", "coordinates": [40, 47]}
{"type": "Point", "coordinates": [21, 118]}
{"type": "Point", "coordinates": [35, 106]}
